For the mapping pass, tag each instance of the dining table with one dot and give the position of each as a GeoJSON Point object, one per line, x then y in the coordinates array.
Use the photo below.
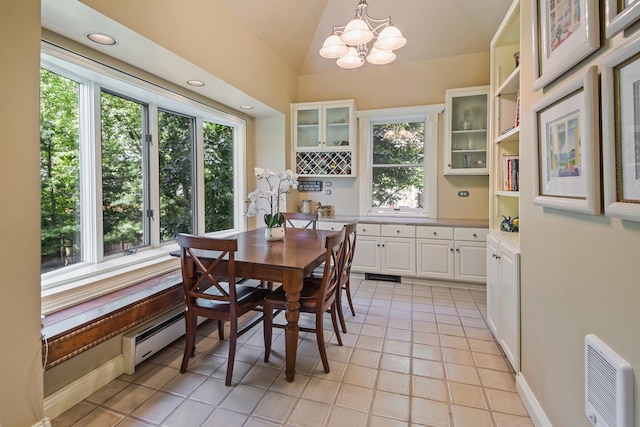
{"type": "Point", "coordinates": [285, 261]}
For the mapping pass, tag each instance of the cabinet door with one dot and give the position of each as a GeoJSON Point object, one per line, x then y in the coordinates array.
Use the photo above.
{"type": "Point", "coordinates": [466, 131]}
{"type": "Point", "coordinates": [367, 255]}
{"type": "Point", "coordinates": [493, 286]}
{"type": "Point", "coordinates": [435, 258]}
{"type": "Point", "coordinates": [510, 299]}
{"type": "Point", "coordinates": [398, 256]}
{"type": "Point", "coordinates": [471, 261]}
{"type": "Point", "coordinates": [337, 127]}
{"type": "Point", "coordinates": [307, 121]}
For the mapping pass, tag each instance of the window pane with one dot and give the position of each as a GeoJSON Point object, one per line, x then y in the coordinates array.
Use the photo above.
{"type": "Point", "coordinates": [398, 143]}
{"type": "Point", "coordinates": [175, 150]}
{"type": "Point", "coordinates": [59, 171]}
{"type": "Point", "coordinates": [398, 187]}
{"type": "Point", "coordinates": [122, 173]}
{"type": "Point", "coordinates": [218, 177]}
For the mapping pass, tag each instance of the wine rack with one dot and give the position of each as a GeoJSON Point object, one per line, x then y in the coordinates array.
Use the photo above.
{"type": "Point", "coordinates": [324, 163]}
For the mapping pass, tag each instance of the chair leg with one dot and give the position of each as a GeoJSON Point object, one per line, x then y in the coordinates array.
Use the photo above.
{"type": "Point", "coordinates": [189, 347]}
{"type": "Point", "coordinates": [267, 327]}
{"type": "Point", "coordinates": [220, 330]}
{"type": "Point", "coordinates": [334, 320]}
{"type": "Point", "coordinates": [321, 346]}
{"type": "Point", "coordinates": [233, 338]}
{"type": "Point", "coordinates": [347, 287]}
{"type": "Point", "coordinates": [340, 312]}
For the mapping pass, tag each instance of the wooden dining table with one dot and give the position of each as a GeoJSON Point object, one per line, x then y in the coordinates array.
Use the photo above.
{"type": "Point", "coordinates": [285, 261]}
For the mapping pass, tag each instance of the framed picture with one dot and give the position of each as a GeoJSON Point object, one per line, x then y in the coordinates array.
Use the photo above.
{"type": "Point", "coordinates": [565, 32]}
{"type": "Point", "coordinates": [621, 131]}
{"type": "Point", "coordinates": [567, 160]}
{"type": "Point", "coordinates": [621, 14]}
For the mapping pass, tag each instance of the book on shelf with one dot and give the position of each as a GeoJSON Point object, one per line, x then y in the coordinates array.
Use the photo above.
{"type": "Point", "coordinates": [510, 172]}
{"type": "Point", "coordinates": [517, 115]}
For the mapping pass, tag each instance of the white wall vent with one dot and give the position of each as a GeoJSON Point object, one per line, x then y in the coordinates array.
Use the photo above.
{"type": "Point", "coordinates": [608, 386]}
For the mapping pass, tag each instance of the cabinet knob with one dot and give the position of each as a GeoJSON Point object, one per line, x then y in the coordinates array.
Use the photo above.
{"type": "Point", "coordinates": [449, 165]}
{"type": "Point", "coordinates": [398, 231]}
{"type": "Point", "coordinates": [457, 250]}
{"type": "Point", "coordinates": [475, 235]}
{"type": "Point", "coordinates": [364, 230]}
{"type": "Point", "coordinates": [435, 234]}
{"type": "Point", "coordinates": [451, 249]}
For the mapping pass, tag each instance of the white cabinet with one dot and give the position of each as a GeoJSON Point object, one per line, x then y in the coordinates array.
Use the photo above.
{"type": "Point", "coordinates": [385, 249]}
{"type": "Point", "coordinates": [466, 131]}
{"type": "Point", "coordinates": [324, 138]}
{"type": "Point", "coordinates": [451, 253]}
{"type": "Point", "coordinates": [503, 297]}
{"type": "Point", "coordinates": [331, 225]}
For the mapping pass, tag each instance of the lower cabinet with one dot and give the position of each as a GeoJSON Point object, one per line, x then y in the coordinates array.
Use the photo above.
{"type": "Point", "coordinates": [385, 249]}
{"type": "Point", "coordinates": [503, 297]}
{"type": "Point", "coordinates": [450, 253]}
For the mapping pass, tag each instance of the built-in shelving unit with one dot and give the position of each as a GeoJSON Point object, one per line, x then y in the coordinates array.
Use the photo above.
{"type": "Point", "coordinates": [505, 124]}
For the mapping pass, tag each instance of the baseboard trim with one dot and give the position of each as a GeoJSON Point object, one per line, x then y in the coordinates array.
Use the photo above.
{"type": "Point", "coordinates": [537, 415]}
{"type": "Point", "coordinates": [80, 389]}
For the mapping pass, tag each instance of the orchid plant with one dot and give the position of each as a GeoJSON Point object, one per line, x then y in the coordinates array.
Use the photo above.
{"type": "Point", "coordinates": [279, 183]}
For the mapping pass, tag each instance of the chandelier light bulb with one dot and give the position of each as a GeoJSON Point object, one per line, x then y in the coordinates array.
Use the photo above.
{"type": "Point", "coordinates": [380, 57]}
{"type": "Point", "coordinates": [333, 47]}
{"type": "Point", "coordinates": [351, 59]}
{"type": "Point", "coordinates": [357, 32]}
{"type": "Point", "coordinates": [390, 38]}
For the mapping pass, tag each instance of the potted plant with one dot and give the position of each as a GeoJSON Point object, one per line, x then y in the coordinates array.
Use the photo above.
{"type": "Point", "coordinates": [279, 184]}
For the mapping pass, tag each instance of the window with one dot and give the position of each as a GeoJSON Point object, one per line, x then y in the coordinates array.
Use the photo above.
{"type": "Point", "coordinates": [125, 166]}
{"type": "Point", "coordinates": [400, 176]}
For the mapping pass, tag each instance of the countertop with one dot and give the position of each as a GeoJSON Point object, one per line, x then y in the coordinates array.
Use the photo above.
{"type": "Point", "coordinates": [441, 222]}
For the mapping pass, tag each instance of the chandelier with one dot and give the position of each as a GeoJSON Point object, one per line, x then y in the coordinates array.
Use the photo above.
{"type": "Point", "coordinates": [349, 44]}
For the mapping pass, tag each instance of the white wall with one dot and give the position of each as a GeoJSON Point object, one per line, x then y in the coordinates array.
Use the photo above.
{"type": "Point", "coordinates": [20, 359]}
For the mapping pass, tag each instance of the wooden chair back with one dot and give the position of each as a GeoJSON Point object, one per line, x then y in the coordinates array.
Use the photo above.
{"type": "Point", "coordinates": [312, 219]}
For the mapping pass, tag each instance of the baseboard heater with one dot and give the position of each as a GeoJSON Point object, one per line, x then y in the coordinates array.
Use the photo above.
{"type": "Point", "coordinates": [145, 341]}
{"type": "Point", "coordinates": [382, 277]}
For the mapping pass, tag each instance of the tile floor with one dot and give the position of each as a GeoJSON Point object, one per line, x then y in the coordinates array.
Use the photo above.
{"type": "Point", "coordinates": [414, 355]}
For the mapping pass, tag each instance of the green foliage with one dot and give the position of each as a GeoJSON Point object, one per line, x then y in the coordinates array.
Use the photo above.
{"type": "Point", "coordinates": [400, 148]}
{"type": "Point", "coordinates": [218, 177]}
{"type": "Point", "coordinates": [59, 166]}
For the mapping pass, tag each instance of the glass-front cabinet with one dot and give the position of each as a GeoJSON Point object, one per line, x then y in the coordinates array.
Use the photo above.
{"type": "Point", "coordinates": [324, 138]}
{"type": "Point", "coordinates": [466, 135]}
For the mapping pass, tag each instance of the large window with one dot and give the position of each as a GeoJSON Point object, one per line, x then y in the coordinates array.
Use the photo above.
{"type": "Point", "coordinates": [400, 176]}
{"type": "Point", "coordinates": [125, 166]}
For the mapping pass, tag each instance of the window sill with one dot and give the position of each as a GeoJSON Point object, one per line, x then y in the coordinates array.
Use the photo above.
{"type": "Point", "coordinates": [78, 285]}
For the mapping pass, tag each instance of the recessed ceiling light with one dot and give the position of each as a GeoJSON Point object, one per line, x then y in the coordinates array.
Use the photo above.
{"type": "Point", "coordinates": [247, 107]}
{"type": "Point", "coordinates": [196, 83]}
{"type": "Point", "coordinates": [102, 38]}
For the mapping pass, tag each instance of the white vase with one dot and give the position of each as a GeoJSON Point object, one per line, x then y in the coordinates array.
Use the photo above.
{"type": "Point", "coordinates": [274, 233]}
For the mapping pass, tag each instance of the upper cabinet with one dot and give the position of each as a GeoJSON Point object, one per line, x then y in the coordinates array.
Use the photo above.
{"type": "Point", "coordinates": [466, 131]}
{"type": "Point", "coordinates": [504, 124]}
{"type": "Point", "coordinates": [324, 138]}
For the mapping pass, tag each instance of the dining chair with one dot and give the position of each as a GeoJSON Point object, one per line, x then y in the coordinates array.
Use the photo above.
{"type": "Point", "coordinates": [311, 218]}
{"type": "Point", "coordinates": [313, 299]}
{"type": "Point", "coordinates": [214, 295]}
{"type": "Point", "coordinates": [345, 277]}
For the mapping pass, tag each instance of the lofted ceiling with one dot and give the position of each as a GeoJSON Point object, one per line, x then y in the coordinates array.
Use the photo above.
{"type": "Point", "coordinates": [295, 30]}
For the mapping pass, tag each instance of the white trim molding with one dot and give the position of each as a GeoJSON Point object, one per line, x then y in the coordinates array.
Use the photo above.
{"type": "Point", "coordinates": [537, 415]}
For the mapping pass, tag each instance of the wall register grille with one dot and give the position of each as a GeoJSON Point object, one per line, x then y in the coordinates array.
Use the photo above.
{"type": "Point", "coordinates": [608, 386]}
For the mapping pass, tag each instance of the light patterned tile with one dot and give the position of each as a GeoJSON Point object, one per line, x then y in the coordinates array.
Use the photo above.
{"type": "Point", "coordinates": [507, 420]}
{"type": "Point", "coordinates": [428, 368]}
{"type": "Point", "coordinates": [497, 379]}
{"type": "Point", "coordinates": [430, 388]}
{"type": "Point", "coordinates": [189, 413]}
{"type": "Point", "coordinates": [211, 391]}
{"type": "Point", "coordinates": [467, 395]}
{"type": "Point", "coordinates": [129, 398]}
{"type": "Point", "coordinates": [402, 348]}
{"type": "Point", "coordinates": [505, 401]}
{"type": "Point", "coordinates": [462, 374]}
{"type": "Point", "coordinates": [276, 407]}
{"type": "Point", "coordinates": [460, 357]}
{"type": "Point", "coordinates": [321, 390]}
{"type": "Point", "coordinates": [341, 417]}
{"type": "Point", "coordinates": [359, 375]}
{"type": "Point", "coordinates": [310, 414]}
{"type": "Point", "coordinates": [430, 352]}
{"type": "Point", "coordinates": [100, 417]}
{"type": "Point", "coordinates": [491, 361]}
{"type": "Point", "coordinates": [430, 413]}
{"type": "Point", "coordinates": [470, 417]}
{"type": "Point", "coordinates": [243, 399]}
{"type": "Point", "coordinates": [395, 363]}
{"type": "Point", "coordinates": [391, 405]}
{"type": "Point", "coordinates": [394, 382]}
{"type": "Point", "coordinates": [157, 407]}
{"type": "Point", "coordinates": [363, 357]}
{"type": "Point", "coordinates": [225, 417]}
{"type": "Point", "coordinates": [355, 397]}
{"type": "Point", "coordinates": [73, 414]}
